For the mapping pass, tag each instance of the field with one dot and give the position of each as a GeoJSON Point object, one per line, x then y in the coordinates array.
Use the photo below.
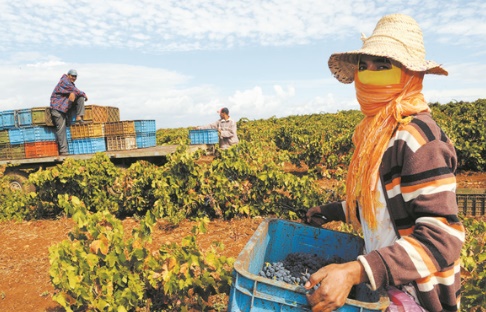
{"type": "Point", "coordinates": [281, 167]}
{"type": "Point", "coordinates": [24, 265]}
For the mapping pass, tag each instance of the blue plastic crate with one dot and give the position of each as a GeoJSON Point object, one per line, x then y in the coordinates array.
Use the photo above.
{"type": "Point", "coordinates": [9, 119]}
{"type": "Point", "coordinates": [39, 134]}
{"type": "Point", "coordinates": [16, 136]}
{"type": "Point", "coordinates": [273, 241]}
{"type": "Point", "coordinates": [144, 126]}
{"type": "Point", "coordinates": [24, 117]}
{"type": "Point", "coordinates": [145, 140]}
{"type": "Point", "coordinates": [204, 136]}
{"type": "Point", "coordinates": [87, 146]}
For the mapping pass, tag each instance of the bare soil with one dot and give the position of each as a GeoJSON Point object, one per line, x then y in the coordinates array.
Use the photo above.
{"type": "Point", "coordinates": [24, 263]}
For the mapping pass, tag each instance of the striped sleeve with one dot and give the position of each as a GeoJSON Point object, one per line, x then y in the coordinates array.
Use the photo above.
{"type": "Point", "coordinates": [418, 174]}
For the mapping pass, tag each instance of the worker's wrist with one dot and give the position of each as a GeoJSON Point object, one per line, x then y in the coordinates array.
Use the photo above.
{"type": "Point", "coordinates": [360, 275]}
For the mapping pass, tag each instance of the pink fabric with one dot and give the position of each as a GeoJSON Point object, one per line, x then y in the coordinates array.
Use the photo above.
{"type": "Point", "coordinates": [402, 302]}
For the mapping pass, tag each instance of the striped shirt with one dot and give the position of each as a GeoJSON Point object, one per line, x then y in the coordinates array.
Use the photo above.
{"type": "Point", "coordinates": [418, 175]}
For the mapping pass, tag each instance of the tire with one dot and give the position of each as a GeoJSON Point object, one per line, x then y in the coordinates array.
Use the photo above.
{"type": "Point", "coordinates": [19, 182]}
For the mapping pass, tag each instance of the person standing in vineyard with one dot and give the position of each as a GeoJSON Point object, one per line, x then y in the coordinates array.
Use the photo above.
{"type": "Point", "coordinates": [226, 129]}
{"type": "Point", "coordinates": [401, 180]}
{"type": "Point", "coordinates": [66, 99]}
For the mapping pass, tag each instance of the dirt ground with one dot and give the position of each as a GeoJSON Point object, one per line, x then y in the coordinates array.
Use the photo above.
{"type": "Point", "coordinates": [24, 263]}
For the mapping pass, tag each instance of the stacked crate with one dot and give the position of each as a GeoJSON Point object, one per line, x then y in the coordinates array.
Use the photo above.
{"type": "Point", "coordinates": [87, 138]}
{"type": "Point", "coordinates": [9, 119]}
{"type": "Point", "coordinates": [113, 113]}
{"type": "Point", "coordinates": [145, 133]}
{"type": "Point", "coordinates": [95, 114]}
{"type": "Point", "coordinates": [28, 133]}
{"type": "Point", "coordinates": [120, 135]}
{"type": "Point", "coordinates": [41, 116]}
{"type": "Point", "coordinates": [20, 138]}
{"type": "Point", "coordinates": [31, 142]}
{"type": "Point", "coordinates": [9, 150]}
{"type": "Point", "coordinates": [40, 141]}
{"type": "Point", "coordinates": [130, 134]}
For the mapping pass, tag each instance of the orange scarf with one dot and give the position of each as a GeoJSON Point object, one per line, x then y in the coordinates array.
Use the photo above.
{"type": "Point", "coordinates": [384, 108]}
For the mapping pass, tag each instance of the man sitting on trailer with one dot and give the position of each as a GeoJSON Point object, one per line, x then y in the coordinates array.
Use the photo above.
{"type": "Point", "coordinates": [66, 99]}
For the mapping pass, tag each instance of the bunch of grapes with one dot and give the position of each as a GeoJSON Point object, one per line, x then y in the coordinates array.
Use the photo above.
{"type": "Point", "coordinates": [296, 268]}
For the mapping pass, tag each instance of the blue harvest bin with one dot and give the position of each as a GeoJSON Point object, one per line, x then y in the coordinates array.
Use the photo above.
{"type": "Point", "coordinates": [16, 136]}
{"type": "Point", "coordinates": [39, 134]}
{"type": "Point", "coordinates": [204, 136]}
{"type": "Point", "coordinates": [86, 146]}
{"type": "Point", "coordinates": [145, 140]}
{"type": "Point", "coordinates": [144, 126]}
{"type": "Point", "coordinates": [273, 241]}
{"type": "Point", "coordinates": [9, 119]}
{"type": "Point", "coordinates": [24, 117]}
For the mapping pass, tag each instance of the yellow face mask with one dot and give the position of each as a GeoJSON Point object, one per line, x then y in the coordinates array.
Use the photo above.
{"type": "Point", "coordinates": [380, 77]}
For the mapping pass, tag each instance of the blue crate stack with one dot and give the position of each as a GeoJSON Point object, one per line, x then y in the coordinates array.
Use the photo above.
{"type": "Point", "coordinates": [145, 133]}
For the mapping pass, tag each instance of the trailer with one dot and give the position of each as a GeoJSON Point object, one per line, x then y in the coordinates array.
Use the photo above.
{"type": "Point", "coordinates": [19, 169]}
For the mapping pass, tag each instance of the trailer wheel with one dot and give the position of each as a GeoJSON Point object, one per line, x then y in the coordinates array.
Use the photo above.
{"type": "Point", "coordinates": [19, 182]}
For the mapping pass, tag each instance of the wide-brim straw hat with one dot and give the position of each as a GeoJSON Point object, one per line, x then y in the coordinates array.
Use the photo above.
{"type": "Point", "coordinates": [397, 37]}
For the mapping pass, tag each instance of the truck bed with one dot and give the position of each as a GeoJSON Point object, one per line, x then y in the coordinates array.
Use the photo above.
{"type": "Point", "coordinates": [149, 153]}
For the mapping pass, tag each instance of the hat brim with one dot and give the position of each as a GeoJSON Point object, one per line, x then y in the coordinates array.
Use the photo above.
{"type": "Point", "coordinates": [343, 65]}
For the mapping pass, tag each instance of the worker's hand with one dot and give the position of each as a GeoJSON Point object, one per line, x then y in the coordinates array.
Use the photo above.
{"type": "Point", "coordinates": [86, 98]}
{"type": "Point", "coordinates": [336, 281]}
{"type": "Point", "coordinates": [72, 97]}
{"type": "Point", "coordinates": [315, 217]}
{"type": "Point", "coordinates": [318, 215]}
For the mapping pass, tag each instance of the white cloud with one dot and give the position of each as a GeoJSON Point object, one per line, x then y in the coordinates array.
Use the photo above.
{"type": "Point", "coordinates": [41, 39]}
{"type": "Point", "coordinates": [192, 24]}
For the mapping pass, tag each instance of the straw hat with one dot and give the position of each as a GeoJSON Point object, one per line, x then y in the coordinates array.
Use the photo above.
{"type": "Point", "coordinates": [397, 37]}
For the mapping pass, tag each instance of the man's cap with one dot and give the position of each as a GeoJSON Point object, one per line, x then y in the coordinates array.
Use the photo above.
{"type": "Point", "coordinates": [397, 37]}
{"type": "Point", "coordinates": [223, 110]}
{"type": "Point", "coordinates": [72, 72]}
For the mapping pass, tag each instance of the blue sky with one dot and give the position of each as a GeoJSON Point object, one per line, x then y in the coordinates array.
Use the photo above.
{"type": "Point", "coordinates": [178, 61]}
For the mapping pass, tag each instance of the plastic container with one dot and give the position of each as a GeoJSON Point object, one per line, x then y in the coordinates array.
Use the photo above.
{"type": "Point", "coordinates": [82, 131]}
{"type": "Point", "coordinates": [120, 143]}
{"type": "Point", "coordinates": [12, 151]}
{"type": "Point", "coordinates": [41, 149]}
{"type": "Point", "coordinates": [4, 136]}
{"type": "Point", "coordinates": [24, 117]}
{"type": "Point", "coordinates": [9, 119]}
{"type": "Point", "coordinates": [273, 240]}
{"type": "Point", "coordinates": [42, 116]}
{"type": "Point", "coordinates": [204, 136]}
{"type": "Point", "coordinates": [146, 140]}
{"type": "Point", "coordinates": [120, 128]}
{"type": "Point", "coordinates": [113, 113]}
{"type": "Point", "coordinates": [95, 113]}
{"type": "Point", "coordinates": [16, 135]}
{"type": "Point", "coordinates": [145, 126]}
{"type": "Point", "coordinates": [39, 134]}
{"type": "Point", "coordinates": [86, 146]}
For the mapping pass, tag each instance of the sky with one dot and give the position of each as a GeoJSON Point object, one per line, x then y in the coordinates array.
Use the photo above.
{"type": "Point", "coordinates": [178, 61]}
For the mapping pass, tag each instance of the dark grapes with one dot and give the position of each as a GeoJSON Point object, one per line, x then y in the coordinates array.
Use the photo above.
{"type": "Point", "coordinates": [296, 268]}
